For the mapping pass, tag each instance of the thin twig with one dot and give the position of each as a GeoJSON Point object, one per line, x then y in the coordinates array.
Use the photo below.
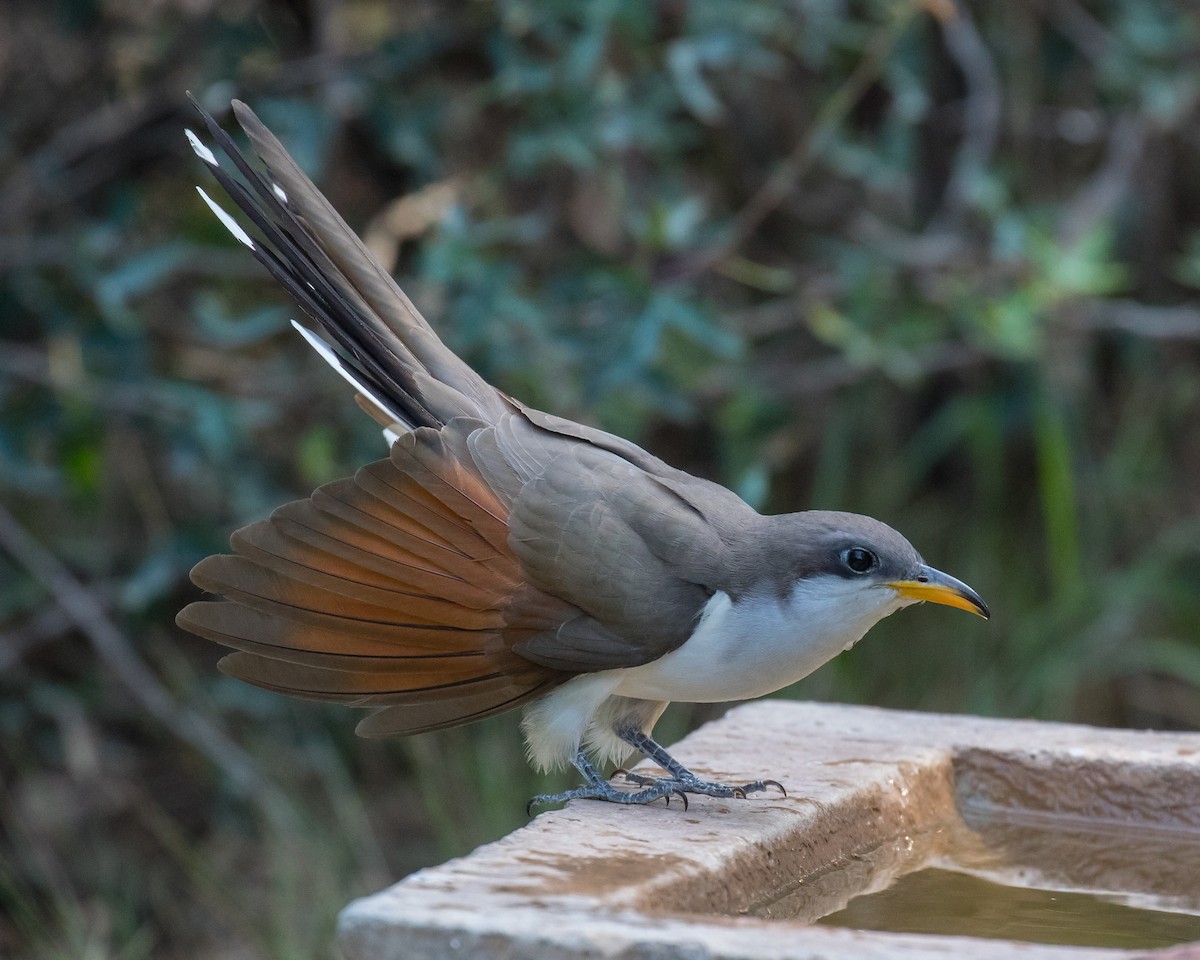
{"type": "Point", "coordinates": [1144, 320]}
{"type": "Point", "coordinates": [47, 625]}
{"type": "Point", "coordinates": [90, 617]}
{"type": "Point", "coordinates": [33, 366]}
{"type": "Point", "coordinates": [833, 373]}
{"type": "Point", "coordinates": [1097, 200]}
{"type": "Point", "coordinates": [780, 184]}
{"type": "Point", "coordinates": [1090, 36]}
{"type": "Point", "coordinates": [84, 153]}
{"type": "Point", "coordinates": [980, 115]}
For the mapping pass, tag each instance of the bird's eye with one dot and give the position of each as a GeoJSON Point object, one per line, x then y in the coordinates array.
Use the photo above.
{"type": "Point", "coordinates": [860, 560]}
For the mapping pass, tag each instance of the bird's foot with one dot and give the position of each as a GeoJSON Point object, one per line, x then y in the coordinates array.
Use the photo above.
{"type": "Point", "coordinates": [690, 783]}
{"type": "Point", "coordinates": [603, 790]}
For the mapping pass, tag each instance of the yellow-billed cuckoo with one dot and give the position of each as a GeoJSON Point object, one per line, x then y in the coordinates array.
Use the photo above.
{"type": "Point", "coordinates": [502, 556]}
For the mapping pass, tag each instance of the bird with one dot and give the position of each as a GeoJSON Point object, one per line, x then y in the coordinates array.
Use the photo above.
{"type": "Point", "coordinates": [502, 557]}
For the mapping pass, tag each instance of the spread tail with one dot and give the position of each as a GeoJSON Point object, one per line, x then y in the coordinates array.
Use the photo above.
{"type": "Point", "coordinates": [395, 588]}
{"type": "Point", "coordinates": [380, 342]}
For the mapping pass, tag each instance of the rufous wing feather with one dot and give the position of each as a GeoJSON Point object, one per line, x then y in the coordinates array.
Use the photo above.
{"type": "Point", "coordinates": [396, 588]}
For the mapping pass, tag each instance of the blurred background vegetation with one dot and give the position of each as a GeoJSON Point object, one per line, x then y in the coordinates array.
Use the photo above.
{"type": "Point", "coordinates": [931, 261]}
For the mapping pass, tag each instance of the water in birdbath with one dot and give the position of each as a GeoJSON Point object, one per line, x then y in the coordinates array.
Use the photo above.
{"type": "Point", "coordinates": [1004, 875]}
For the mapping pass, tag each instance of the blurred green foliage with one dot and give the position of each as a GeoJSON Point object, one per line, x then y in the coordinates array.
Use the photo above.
{"type": "Point", "coordinates": [936, 266]}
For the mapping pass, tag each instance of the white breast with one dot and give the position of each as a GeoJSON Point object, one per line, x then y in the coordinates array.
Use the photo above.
{"type": "Point", "coordinates": [761, 644]}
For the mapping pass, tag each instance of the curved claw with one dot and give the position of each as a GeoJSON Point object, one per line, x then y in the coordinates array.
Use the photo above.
{"type": "Point", "coordinates": [653, 788]}
{"type": "Point", "coordinates": [603, 790]}
{"type": "Point", "coordinates": [711, 788]}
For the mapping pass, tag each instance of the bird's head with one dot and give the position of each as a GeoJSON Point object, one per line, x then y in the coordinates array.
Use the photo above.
{"type": "Point", "coordinates": [869, 565]}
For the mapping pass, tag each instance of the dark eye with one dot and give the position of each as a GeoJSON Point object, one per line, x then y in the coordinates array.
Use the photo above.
{"type": "Point", "coordinates": [860, 560]}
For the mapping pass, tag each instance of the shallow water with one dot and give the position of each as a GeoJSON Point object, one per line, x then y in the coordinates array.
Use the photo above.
{"type": "Point", "coordinates": [940, 901]}
{"type": "Point", "coordinates": [999, 874]}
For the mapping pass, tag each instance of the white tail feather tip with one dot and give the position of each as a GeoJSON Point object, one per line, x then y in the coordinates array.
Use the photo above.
{"type": "Point", "coordinates": [230, 224]}
{"type": "Point", "coordinates": [330, 357]}
{"type": "Point", "coordinates": [201, 150]}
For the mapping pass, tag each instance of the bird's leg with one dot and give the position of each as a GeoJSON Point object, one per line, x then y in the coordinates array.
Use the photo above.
{"type": "Point", "coordinates": [680, 776]}
{"type": "Point", "coordinates": [597, 788]}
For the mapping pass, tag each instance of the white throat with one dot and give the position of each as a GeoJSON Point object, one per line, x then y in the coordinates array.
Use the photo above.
{"type": "Point", "coordinates": [761, 644]}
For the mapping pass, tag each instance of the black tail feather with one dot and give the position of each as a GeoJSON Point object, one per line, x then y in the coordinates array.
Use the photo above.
{"type": "Point", "coordinates": [296, 261]}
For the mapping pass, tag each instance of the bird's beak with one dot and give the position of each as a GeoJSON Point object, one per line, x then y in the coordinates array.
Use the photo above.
{"type": "Point", "coordinates": [938, 587]}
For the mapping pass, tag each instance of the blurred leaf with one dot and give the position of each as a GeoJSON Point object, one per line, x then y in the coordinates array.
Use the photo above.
{"type": "Point", "coordinates": [134, 277]}
{"type": "Point", "coordinates": [234, 331]}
